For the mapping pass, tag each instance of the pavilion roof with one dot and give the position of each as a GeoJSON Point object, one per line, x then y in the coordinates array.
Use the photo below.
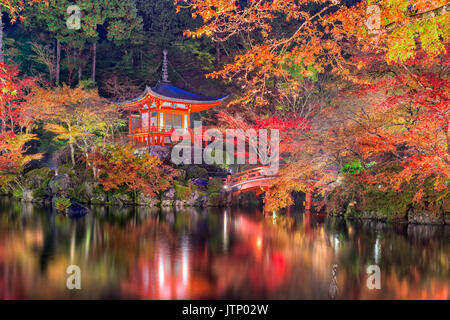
{"type": "Point", "coordinates": [169, 92]}
{"type": "Point", "coordinates": [164, 90]}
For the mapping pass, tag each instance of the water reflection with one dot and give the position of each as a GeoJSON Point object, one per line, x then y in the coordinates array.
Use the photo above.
{"type": "Point", "coordinates": [198, 254]}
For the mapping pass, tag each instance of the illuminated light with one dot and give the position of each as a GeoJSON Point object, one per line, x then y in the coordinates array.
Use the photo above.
{"type": "Point", "coordinates": [146, 279]}
{"type": "Point", "coordinates": [336, 245]}
{"type": "Point", "coordinates": [259, 242]}
{"type": "Point", "coordinates": [185, 265]}
{"type": "Point", "coordinates": [225, 233]}
{"type": "Point", "coordinates": [161, 271]}
{"type": "Point", "coordinates": [377, 249]}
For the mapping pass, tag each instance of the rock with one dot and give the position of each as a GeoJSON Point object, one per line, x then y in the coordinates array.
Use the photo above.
{"type": "Point", "coordinates": [424, 216]}
{"type": "Point", "coordinates": [193, 199]}
{"type": "Point", "coordinates": [169, 194]}
{"type": "Point", "coordinates": [121, 199]}
{"type": "Point", "coordinates": [203, 201]}
{"type": "Point", "coordinates": [59, 183]}
{"type": "Point", "coordinates": [179, 203]}
{"type": "Point", "coordinates": [145, 200]}
{"type": "Point", "coordinates": [447, 218]}
{"type": "Point", "coordinates": [76, 210]}
{"type": "Point", "coordinates": [27, 195]}
{"type": "Point", "coordinates": [166, 203]}
{"type": "Point", "coordinates": [35, 178]}
{"type": "Point", "coordinates": [98, 198]}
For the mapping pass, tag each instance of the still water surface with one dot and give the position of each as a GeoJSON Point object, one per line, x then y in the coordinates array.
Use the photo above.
{"type": "Point", "coordinates": [138, 253]}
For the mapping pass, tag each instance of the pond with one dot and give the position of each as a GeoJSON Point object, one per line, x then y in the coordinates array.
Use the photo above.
{"type": "Point", "coordinates": [143, 253]}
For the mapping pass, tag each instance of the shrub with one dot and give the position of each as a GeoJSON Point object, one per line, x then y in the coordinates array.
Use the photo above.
{"type": "Point", "coordinates": [65, 169]}
{"type": "Point", "coordinates": [181, 175]}
{"type": "Point", "coordinates": [43, 173]}
{"type": "Point", "coordinates": [61, 204]}
{"type": "Point", "coordinates": [182, 192]}
{"type": "Point", "coordinates": [214, 185]}
{"type": "Point", "coordinates": [38, 193]}
{"type": "Point", "coordinates": [197, 172]}
{"type": "Point", "coordinates": [37, 177]}
{"type": "Point", "coordinates": [17, 193]}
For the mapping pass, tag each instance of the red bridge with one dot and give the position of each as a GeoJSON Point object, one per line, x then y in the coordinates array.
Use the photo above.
{"type": "Point", "coordinates": [259, 180]}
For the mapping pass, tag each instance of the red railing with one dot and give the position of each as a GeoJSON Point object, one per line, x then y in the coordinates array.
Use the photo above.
{"type": "Point", "coordinates": [151, 135]}
{"type": "Point", "coordinates": [251, 174]}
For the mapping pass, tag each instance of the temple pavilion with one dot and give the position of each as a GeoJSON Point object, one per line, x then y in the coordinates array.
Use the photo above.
{"type": "Point", "coordinates": [164, 108]}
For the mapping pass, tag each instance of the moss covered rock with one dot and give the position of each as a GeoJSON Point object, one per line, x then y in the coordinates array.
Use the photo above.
{"type": "Point", "coordinates": [66, 169]}
{"type": "Point", "coordinates": [38, 178]}
{"type": "Point", "coordinates": [425, 216]}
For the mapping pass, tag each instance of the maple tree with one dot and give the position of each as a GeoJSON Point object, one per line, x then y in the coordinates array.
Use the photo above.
{"type": "Point", "coordinates": [285, 48]}
{"type": "Point", "coordinates": [121, 168]}
{"type": "Point", "coordinates": [16, 124]}
{"type": "Point", "coordinates": [13, 115]}
{"type": "Point", "coordinates": [78, 116]}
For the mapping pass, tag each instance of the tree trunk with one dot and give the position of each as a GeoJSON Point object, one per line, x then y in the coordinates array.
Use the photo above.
{"type": "Point", "coordinates": [218, 55]}
{"type": "Point", "coordinates": [94, 54]}
{"type": "Point", "coordinates": [2, 59]}
{"type": "Point", "coordinates": [58, 60]}
{"type": "Point", "coordinates": [80, 72]}
{"type": "Point", "coordinates": [72, 154]}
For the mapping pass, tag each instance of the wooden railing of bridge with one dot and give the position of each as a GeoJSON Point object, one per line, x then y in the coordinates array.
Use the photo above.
{"type": "Point", "coordinates": [259, 179]}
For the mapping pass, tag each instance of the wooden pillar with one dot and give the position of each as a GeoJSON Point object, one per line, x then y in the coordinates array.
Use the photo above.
{"type": "Point", "coordinates": [189, 118]}
{"type": "Point", "coordinates": [130, 122]}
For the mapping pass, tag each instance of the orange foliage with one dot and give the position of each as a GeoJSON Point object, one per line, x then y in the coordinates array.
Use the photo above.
{"type": "Point", "coordinates": [120, 167]}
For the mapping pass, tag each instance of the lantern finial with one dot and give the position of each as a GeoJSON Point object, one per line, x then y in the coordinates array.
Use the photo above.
{"type": "Point", "coordinates": [165, 72]}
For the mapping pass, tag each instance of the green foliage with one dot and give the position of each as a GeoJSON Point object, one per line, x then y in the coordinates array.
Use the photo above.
{"type": "Point", "coordinates": [354, 167]}
{"type": "Point", "coordinates": [87, 84]}
{"type": "Point", "coordinates": [214, 185]}
{"type": "Point", "coordinates": [43, 173]}
{"type": "Point", "coordinates": [17, 193]}
{"type": "Point", "coordinates": [197, 172]}
{"type": "Point", "coordinates": [214, 200]}
{"type": "Point", "coordinates": [182, 192]}
{"type": "Point", "coordinates": [61, 204]}
{"type": "Point", "coordinates": [390, 205]}
{"type": "Point", "coordinates": [66, 169]}
{"type": "Point", "coordinates": [38, 194]}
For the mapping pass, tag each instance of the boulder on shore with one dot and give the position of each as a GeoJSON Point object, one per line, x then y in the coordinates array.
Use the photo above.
{"type": "Point", "coordinates": [59, 183]}
{"type": "Point", "coordinates": [423, 216]}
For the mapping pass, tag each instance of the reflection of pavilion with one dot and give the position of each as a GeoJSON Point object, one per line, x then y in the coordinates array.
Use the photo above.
{"type": "Point", "coordinates": [166, 275]}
